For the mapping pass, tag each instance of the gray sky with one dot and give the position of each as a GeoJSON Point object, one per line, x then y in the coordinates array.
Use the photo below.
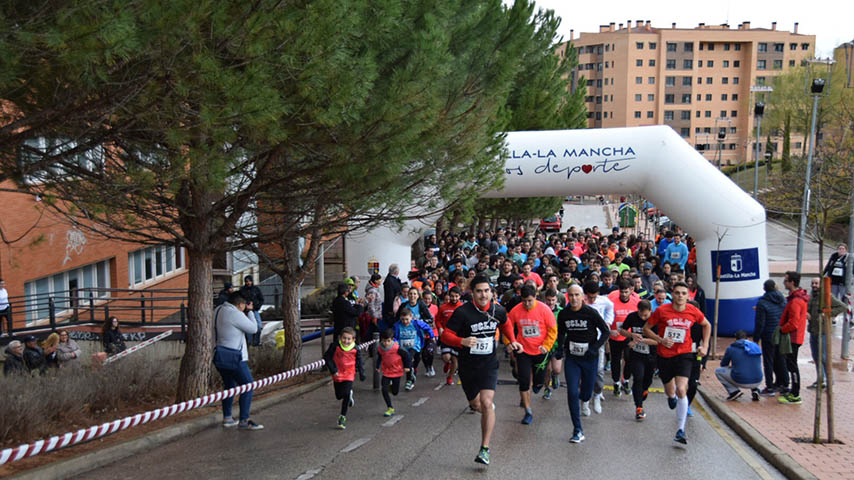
{"type": "Point", "coordinates": [831, 21]}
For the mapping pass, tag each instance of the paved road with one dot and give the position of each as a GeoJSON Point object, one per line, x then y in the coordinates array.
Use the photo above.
{"type": "Point", "coordinates": [783, 242]}
{"type": "Point", "coordinates": [583, 216]}
{"type": "Point", "coordinates": [432, 437]}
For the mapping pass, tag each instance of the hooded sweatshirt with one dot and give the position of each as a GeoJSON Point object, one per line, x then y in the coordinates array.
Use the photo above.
{"type": "Point", "coordinates": [746, 359]}
{"type": "Point", "coordinates": [769, 309]}
{"type": "Point", "coordinates": [794, 318]}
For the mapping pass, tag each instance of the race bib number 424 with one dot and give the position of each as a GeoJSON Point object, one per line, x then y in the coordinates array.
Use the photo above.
{"type": "Point", "coordinates": [483, 346]}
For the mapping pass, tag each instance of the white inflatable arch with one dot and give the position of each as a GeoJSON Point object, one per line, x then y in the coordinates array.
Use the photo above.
{"type": "Point", "coordinates": [652, 161]}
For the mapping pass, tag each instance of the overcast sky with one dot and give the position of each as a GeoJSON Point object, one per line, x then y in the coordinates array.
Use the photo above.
{"type": "Point", "coordinates": [831, 21]}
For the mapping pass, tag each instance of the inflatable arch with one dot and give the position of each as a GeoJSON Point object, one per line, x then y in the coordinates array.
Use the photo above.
{"type": "Point", "coordinates": [652, 161]}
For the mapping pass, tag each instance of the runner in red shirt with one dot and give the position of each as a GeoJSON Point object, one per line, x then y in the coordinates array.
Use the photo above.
{"type": "Point", "coordinates": [625, 301]}
{"type": "Point", "coordinates": [449, 354]}
{"type": "Point", "coordinates": [536, 330]}
{"type": "Point", "coordinates": [527, 274]}
{"type": "Point", "coordinates": [672, 323]}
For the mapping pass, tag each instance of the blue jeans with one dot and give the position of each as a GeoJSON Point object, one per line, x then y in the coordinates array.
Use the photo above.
{"type": "Point", "coordinates": [820, 368]}
{"type": "Point", "coordinates": [234, 378]}
{"type": "Point", "coordinates": [579, 369]}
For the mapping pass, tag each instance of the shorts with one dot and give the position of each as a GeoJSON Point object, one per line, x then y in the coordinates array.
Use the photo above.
{"type": "Point", "coordinates": [474, 380]}
{"type": "Point", "coordinates": [443, 349]}
{"type": "Point", "coordinates": [678, 366]}
{"type": "Point", "coordinates": [529, 375]}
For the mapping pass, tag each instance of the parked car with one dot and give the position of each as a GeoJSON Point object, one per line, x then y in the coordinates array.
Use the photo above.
{"type": "Point", "coordinates": [550, 224]}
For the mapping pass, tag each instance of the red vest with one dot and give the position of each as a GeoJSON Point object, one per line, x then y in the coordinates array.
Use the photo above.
{"type": "Point", "coordinates": [392, 363]}
{"type": "Point", "coordinates": [346, 363]}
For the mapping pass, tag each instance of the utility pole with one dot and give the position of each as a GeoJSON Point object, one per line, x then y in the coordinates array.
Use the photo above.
{"type": "Point", "coordinates": [758, 111]}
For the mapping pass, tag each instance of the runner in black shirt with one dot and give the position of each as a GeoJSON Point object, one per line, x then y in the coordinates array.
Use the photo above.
{"type": "Point", "coordinates": [581, 332]}
{"type": "Point", "coordinates": [472, 329]}
{"type": "Point", "coordinates": [641, 356]}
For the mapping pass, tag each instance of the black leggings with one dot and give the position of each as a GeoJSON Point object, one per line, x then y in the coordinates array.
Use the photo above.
{"type": "Point", "coordinates": [427, 353]}
{"type": "Point", "coordinates": [794, 371]}
{"type": "Point", "coordinates": [392, 384]}
{"type": "Point", "coordinates": [416, 357]}
{"type": "Point", "coordinates": [642, 367]}
{"type": "Point", "coordinates": [527, 368]}
{"type": "Point", "coordinates": [342, 392]}
{"type": "Point", "coordinates": [619, 351]}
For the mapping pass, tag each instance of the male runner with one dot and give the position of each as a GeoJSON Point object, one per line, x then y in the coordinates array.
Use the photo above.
{"type": "Point", "coordinates": [581, 333]}
{"type": "Point", "coordinates": [673, 323]}
{"type": "Point", "coordinates": [472, 330]}
{"type": "Point", "coordinates": [536, 331]}
{"type": "Point", "coordinates": [556, 355]}
{"type": "Point", "coordinates": [605, 307]}
{"type": "Point", "coordinates": [641, 354]}
{"type": "Point", "coordinates": [625, 302]}
{"type": "Point", "coordinates": [449, 354]}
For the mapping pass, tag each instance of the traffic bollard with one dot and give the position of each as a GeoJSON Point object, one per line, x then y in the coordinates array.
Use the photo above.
{"type": "Point", "coordinates": [373, 347]}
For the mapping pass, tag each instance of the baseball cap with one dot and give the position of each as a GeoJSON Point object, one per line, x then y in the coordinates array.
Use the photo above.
{"type": "Point", "coordinates": [647, 265]}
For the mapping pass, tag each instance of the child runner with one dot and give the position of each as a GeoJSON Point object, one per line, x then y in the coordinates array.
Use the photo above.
{"type": "Point", "coordinates": [342, 360]}
{"type": "Point", "coordinates": [410, 335]}
{"type": "Point", "coordinates": [449, 354]}
{"type": "Point", "coordinates": [421, 313]}
{"type": "Point", "coordinates": [641, 355]}
{"type": "Point", "coordinates": [394, 361]}
{"type": "Point", "coordinates": [555, 364]}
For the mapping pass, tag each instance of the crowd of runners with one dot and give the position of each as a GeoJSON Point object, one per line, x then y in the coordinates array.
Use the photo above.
{"type": "Point", "coordinates": [609, 311]}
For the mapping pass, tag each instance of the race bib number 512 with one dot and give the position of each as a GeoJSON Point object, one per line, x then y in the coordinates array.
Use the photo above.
{"type": "Point", "coordinates": [675, 334]}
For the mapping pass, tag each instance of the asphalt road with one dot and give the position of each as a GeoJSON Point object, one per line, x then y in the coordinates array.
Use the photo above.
{"type": "Point", "coordinates": [432, 437]}
{"type": "Point", "coordinates": [583, 216]}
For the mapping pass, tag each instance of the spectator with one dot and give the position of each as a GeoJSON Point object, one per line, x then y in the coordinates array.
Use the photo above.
{"type": "Point", "coordinates": [816, 329]}
{"type": "Point", "coordinates": [344, 313]}
{"type": "Point", "coordinates": [746, 370]}
{"type": "Point", "coordinates": [794, 323]}
{"type": "Point", "coordinates": [231, 325]}
{"type": "Point", "coordinates": [836, 269]}
{"type": "Point", "coordinates": [68, 351]}
{"type": "Point", "coordinates": [223, 294]}
{"type": "Point", "coordinates": [49, 347]}
{"type": "Point", "coordinates": [112, 337]}
{"type": "Point", "coordinates": [769, 309]}
{"type": "Point", "coordinates": [34, 355]}
{"type": "Point", "coordinates": [5, 309]}
{"type": "Point", "coordinates": [254, 300]}
{"type": "Point", "coordinates": [696, 292]}
{"type": "Point", "coordinates": [391, 289]}
{"type": "Point", "coordinates": [14, 364]}
{"type": "Point", "coordinates": [647, 277]}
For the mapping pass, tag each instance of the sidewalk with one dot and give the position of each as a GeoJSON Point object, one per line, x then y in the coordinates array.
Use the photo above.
{"type": "Point", "coordinates": [780, 424]}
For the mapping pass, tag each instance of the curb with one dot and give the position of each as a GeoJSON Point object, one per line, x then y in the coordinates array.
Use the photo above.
{"type": "Point", "coordinates": [782, 461]}
{"type": "Point", "coordinates": [90, 461]}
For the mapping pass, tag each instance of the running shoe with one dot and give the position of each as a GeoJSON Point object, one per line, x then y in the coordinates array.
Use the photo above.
{"type": "Point", "coordinates": [249, 425]}
{"type": "Point", "coordinates": [229, 422]}
{"type": "Point", "coordinates": [577, 437]}
{"type": "Point", "coordinates": [352, 400]}
{"type": "Point", "coordinates": [389, 412]}
{"type": "Point", "coordinates": [585, 408]}
{"type": "Point", "coordinates": [754, 394]}
{"type": "Point", "coordinates": [527, 419]}
{"type": "Point", "coordinates": [450, 380]}
{"type": "Point", "coordinates": [482, 456]}
{"type": "Point", "coordinates": [639, 414]}
{"type": "Point", "coordinates": [409, 385]}
{"type": "Point", "coordinates": [671, 402]}
{"type": "Point", "coordinates": [768, 392]}
{"type": "Point", "coordinates": [547, 394]}
{"type": "Point", "coordinates": [680, 437]}
{"type": "Point", "coordinates": [790, 399]}
{"type": "Point", "coordinates": [617, 390]}
{"type": "Point", "coordinates": [597, 403]}
{"type": "Point", "coordinates": [734, 395]}
{"type": "Point", "coordinates": [430, 372]}
{"type": "Point", "coordinates": [627, 389]}
{"type": "Point", "coordinates": [342, 422]}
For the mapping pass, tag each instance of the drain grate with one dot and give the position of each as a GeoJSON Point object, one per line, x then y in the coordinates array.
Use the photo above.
{"type": "Point", "coordinates": [822, 442]}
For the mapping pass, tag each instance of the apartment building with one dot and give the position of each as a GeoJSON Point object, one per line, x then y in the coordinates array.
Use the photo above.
{"type": "Point", "coordinates": [697, 80]}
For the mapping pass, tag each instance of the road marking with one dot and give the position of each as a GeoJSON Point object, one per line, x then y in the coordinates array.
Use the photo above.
{"type": "Point", "coordinates": [732, 443]}
{"type": "Point", "coordinates": [421, 401]}
{"type": "Point", "coordinates": [393, 420]}
{"type": "Point", "coordinates": [650, 390]}
{"type": "Point", "coordinates": [438, 387]}
{"type": "Point", "coordinates": [356, 444]}
{"type": "Point", "coordinates": [309, 474]}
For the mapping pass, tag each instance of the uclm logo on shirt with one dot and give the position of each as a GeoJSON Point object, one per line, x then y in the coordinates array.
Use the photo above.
{"type": "Point", "coordinates": [480, 327]}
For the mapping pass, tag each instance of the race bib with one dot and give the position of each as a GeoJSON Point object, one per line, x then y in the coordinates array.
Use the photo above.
{"type": "Point", "coordinates": [837, 272]}
{"type": "Point", "coordinates": [483, 346]}
{"type": "Point", "coordinates": [531, 331]}
{"type": "Point", "coordinates": [641, 347]}
{"type": "Point", "coordinates": [675, 334]}
{"type": "Point", "coordinates": [407, 342]}
{"type": "Point", "coordinates": [676, 255]}
{"type": "Point", "coordinates": [578, 349]}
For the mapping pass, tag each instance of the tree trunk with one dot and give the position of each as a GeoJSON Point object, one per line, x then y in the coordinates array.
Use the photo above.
{"type": "Point", "coordinates": [195, 368]}
{"type": "Point", "coordinates": [455, 220]}
{"type": "Point", "coordinates": [291, 280]}
{"type": "Point", "coordinates": [481, 223]}
{"type": "Point", "coordinates": [440, 225]}
{"type": "Point", "coordinates": [493, 224]}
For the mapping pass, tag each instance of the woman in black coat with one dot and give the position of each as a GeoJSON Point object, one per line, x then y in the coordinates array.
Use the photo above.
{"type": "Point", "coordinates": [112, 337]}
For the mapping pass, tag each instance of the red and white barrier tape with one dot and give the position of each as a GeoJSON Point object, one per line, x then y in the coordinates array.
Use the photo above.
{"type": "Point", "coordinates": [138, 346]}
{"type": "Point", "coordinates": [96, 431]}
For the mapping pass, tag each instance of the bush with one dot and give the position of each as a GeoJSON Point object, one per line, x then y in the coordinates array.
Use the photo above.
{"type": "Point", "coordinates": [320, 301]}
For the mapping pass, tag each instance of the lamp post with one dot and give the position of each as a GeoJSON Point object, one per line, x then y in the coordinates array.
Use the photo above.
{"type": "Point", "coordinates": [758, 111]}
{"type": "Point", "coordinates": [721, 133]}
{"type": "Point", "coordinates": [846, 331]}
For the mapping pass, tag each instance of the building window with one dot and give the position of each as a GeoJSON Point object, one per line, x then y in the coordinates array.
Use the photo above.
{"type": "Point", "coordinates": [805, 46]}
{"type": "Point", "coordinates": [590, 83]}
{"type": "Point", "coordinates": [723, 113]}
{"type": "Point", "coordinates": [760, 80]}
{"type": "Point", "coordinates": [669, 81]}
{"type": "Point", "coordinates": [736, 63]}
{"type": "Point", "coordinates": [707, 130]}
{"type": "Point", "coordinates": [669, 98]}
{"type": "Point", "coordinates": [725, 80]}
{"type": "Point", "coordinates": [686, 81]}
{"type": "Point", "coordinates": [763, 47]}
{"type": "Point", "coordinates": [723, 97]}
{"type": "Point", "coordinates": [153, 263]}
{"type": "Point", "coordinates": [708, 114]}
{"type": "Point", "coordinates": [711, 46]}
{"type": "Point", "coordinates": [733, 113]}
{"type": "Point", "coordinates": [710, 63]}
{"type": "Point", "coordinates": [708, 97]}
{"type": "Point", "coordinates": [652, 45]}
{"type": "Point", "coordinates": [726, 63]}
{"type": "Point", "coordinates": [649, 114]}
{"type": "Point", "coordinates": [637, 114]}
{"type": "Point", "coordinates": [793, 46]}
{"type": "Point", "coordinates": [671, 46]}
{"type": "Point", "coordinates": [598, 99]}
{"type": "Point", "coordinates": [778, 47]}
{"type": "Point", "coordinates": [68, 289]}
{"type": "Point", "coordinates": [685, 131]}
{"type": "Point", "coordinates": [735, 80]}
{"type": "Point", "coordinates": [760, 64]}
{"type": "Point", "coordinates": [650, 80]}
{"type": "Point", "coordinates": [698, 114]}
{"type": "Point", "coordinates": [639, 62]}
{"type": "Point", "coordinates": [651, 62]}
{"type": "Point", "coordinates": [638, 80]}
{"type": "Point", "coordinates": [605, 99]}
{"type": "Point", "coordinates": [639, 45]}
{"type": "Point", "coordinates": [737, 47]}
{"type": "Point", "coordinates": [733, 130]}
{"type": "Point", "coordinates": [650, 97]}
{"type": "Point", "coordinates": [708, 80]}
{"type": "Point", "coordinates": [734, 97]}
{"type": "Point", "coordinates": [90, 160]}
{"type": "Point", "coordinates": [607, 47]}
{"type": "Point", "coordinates": [599, 83]}
{"type": "Point", "coordinates": [797, 145]}
{"type": "Point", "coordinates": [726, 47]}
{"type": "Point", "coordinates": [699, 97]}
{"type": "Point", "coordinates": [671, 64]}
{"type": "Point", "coordinates": [589, 114]}
{"type": "Point", "coordinates": [689, 46]}
{"type": "Point", "coordinates": [685, 114]}
{"type": "Point", "coordinates": [778, 64]}
{"type": "Point", "coordinates": [699, 80]}
{"type": "Point", "coordinates": [588, 98]}
{"type": "Point", "coordinates": [700, 62]}
{"type": "Point", "coordinates": [638, 97]}
{"type": "Point", "coordinates": [668, 115]}
{"type": "Point", "coordinates": [687, 64]}
{"type": "Point", "coordinates": [791, 63]}
{"type": "Point", "coordinates": [686, 98]}
{"type": "Point", "coordinates": [598, 115]}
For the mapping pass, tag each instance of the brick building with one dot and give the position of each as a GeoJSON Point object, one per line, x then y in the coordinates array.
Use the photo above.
{"type": "Point", "coordinates": [697, 80]}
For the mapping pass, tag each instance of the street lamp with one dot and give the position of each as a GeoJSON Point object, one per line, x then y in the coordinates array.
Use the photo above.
{"type": "Point", "coordinates": [846, 332]}
{"type": "Point", "coordinates": [816, 88]}
{"type": "Point", "coordinates": [721, 133]}
{"type": "Point", "coordinates": [758, 111]}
